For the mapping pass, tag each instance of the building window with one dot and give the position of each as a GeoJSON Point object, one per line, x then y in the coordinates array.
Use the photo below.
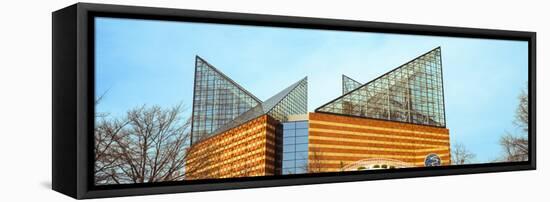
{"type": "Point", "coordinates": [295, 147]}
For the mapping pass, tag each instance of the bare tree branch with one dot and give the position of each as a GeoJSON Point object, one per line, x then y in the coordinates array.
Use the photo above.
{"type": "Point", "coordinates": [149, 144]}
{"type": "Point", "coordinates": [314, 164]}
{"type": "Point", "coordinates": [460, 155]}
{"type": "Point", "coordinates": [516, 146]}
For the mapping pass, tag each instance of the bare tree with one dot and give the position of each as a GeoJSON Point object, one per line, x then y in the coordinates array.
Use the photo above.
{"type": "Point", "coordinates": [460, 155]}
{"type": "Point", "coordinates": [516, 146]}
{"type": "Point", "coordinates": [149, 144]}
{"type": "Point", "coordinates": [522, 112]}
{"type": "Point", "coordinates": [315, 162]}
{"type": "Point", "coordinates": [98, 100]}
{"type": "Point", "coordinates": [105, 133]}
{"type": "Point", "coordinates": [106, 161]}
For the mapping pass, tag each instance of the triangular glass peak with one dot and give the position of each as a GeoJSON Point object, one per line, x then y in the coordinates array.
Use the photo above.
{"type": "Point", "coordinates": [348, 84]}
{"type": "Point", "coordinates": [411, 93]}
{"type": "Point", "coordinates": [216, 100]}
{"type": "Point", "coordinates": [290, 101]}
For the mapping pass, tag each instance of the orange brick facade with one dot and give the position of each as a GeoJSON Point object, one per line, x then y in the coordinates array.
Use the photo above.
{"type": "Point", "coordinates": [247, 150]}
{"type": "Point", "coordinates": [336, 141]}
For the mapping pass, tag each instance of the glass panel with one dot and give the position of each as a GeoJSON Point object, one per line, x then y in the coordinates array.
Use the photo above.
{"type": "Point", "coordinates": [302, 124]}
{"type": "Point", "coordinates": [288, 140]}
{"type": "Point", "coordinates": [289, 156]}
{"type": "Point", "coordinates": [301, 163]}
{"type": "Point", "coordinates": [289, 133]}
{"type": "Point", "coordinates": [287, 171]}
{"type": "Point", "coordinates": [301, 132]}
{"type": "Point", "coordinates": [289, 164]}
{"type": "Point", "coordinates": [302, 155]}
{"type": "Point", "coordinates": [289, 148]}
{"type": "Point", "coordinates": [301, 170]}
{"type": "Point", "coordinates": [289, 125]}
{"type": "Point", "coordinates": [291, 101]}
{"type": "Point", "coordinates": [301, 147]}
{"type": "Point", "coordinates": [349, 84]}
{"type": "Point", "coordinates": [302, 139]}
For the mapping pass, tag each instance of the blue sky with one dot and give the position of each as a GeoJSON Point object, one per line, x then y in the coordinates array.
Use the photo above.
{"type": "Point", "coordinates": [152, 62]}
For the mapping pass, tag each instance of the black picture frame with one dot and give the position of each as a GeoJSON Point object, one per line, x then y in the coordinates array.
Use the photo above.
{"type": "Point", "coordinates": [73, 98]}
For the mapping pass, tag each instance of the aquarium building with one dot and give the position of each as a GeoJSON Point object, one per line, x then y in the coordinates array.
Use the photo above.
{"type": "Point", "coordinates": [394, 121]}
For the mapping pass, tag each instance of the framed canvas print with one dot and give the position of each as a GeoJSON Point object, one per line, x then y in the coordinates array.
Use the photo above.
{"type": "Point", "coordinates": [156, 100]}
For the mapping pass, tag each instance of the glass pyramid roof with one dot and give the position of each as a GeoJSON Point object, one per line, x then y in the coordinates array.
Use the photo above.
{"type": "Point", "coordinates": [217, 100]}
{"type": "Point", "coordinates": [348, 84]}
{"type": "Point", "coordinates": [290, 101]}
{"type": "Point", "coordinates": [412, 93]}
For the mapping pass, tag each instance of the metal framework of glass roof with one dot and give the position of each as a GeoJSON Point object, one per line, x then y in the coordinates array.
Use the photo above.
{"type": "Point", "coordinates": [290, 101]}
{"type": "Point", "coordinates": [412, 93]}
{"type": "Point", "coordinates": [217, 100]}
{"type": "Point", "coordinates": [220, 104]}
{"type": "Point", "coordinates": [348, 84]}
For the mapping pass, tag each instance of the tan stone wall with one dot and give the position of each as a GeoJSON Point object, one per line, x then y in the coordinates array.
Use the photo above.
{"type": "Point", "coordinates": [336, 141]}
{"type": "Point", "coordinates": [247, 150]}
